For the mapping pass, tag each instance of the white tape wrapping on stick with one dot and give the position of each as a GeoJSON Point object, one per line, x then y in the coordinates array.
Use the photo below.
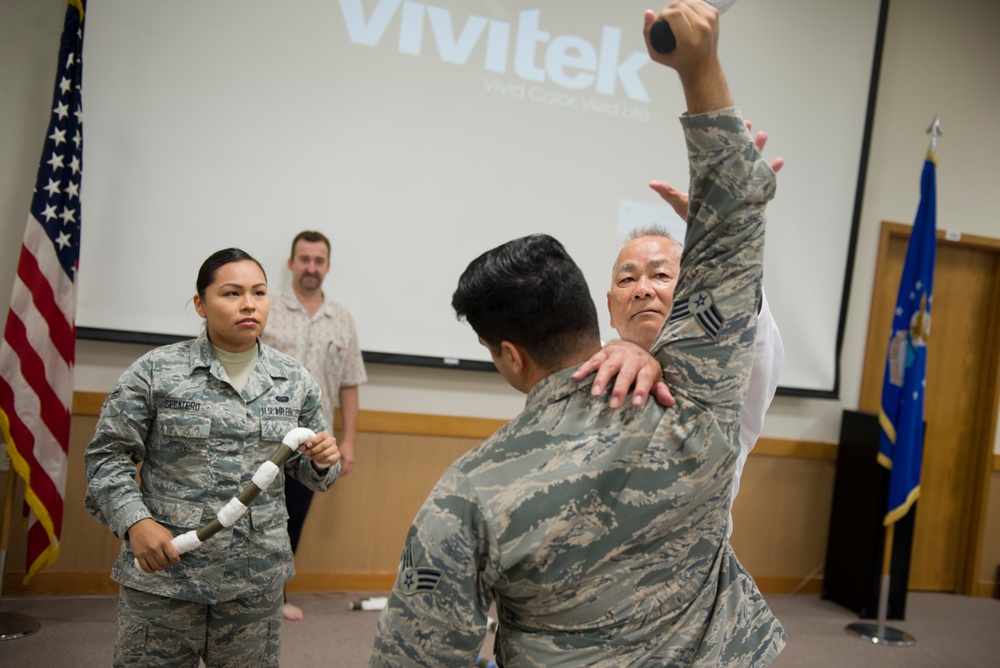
{"type": "Point", "coordinates": [231, 512]}
{"type": "Point", "coordinates": [266, 474]}
{"type": "Point", "coordinates": [185, 542]}
{"type": "Point", "coordinates": [262, 479]}
{"type": "Point", "coordinates": [296, 437]}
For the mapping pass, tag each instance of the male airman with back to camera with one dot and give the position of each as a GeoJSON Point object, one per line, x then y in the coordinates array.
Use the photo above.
{"type": "Point", "coordinates": [600, 533]}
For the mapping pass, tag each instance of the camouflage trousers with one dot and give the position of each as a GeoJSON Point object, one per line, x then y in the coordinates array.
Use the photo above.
{"type": "Point", "coordinates": [170, 633]}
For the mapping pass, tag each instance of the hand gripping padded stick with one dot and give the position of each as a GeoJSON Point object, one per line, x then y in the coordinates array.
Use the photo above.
{"type": "Point", "coordinates": [237, 505]}
{"type": "Point", "coordinates": [661, 37]}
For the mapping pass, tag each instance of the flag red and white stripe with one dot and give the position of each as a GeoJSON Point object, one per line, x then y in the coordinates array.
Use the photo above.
{"type": "Point", "coordinates": [38, 347]}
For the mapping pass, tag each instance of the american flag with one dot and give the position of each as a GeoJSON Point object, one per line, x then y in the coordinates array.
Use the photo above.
{"type": "Point", "coordinates": [37, 351]}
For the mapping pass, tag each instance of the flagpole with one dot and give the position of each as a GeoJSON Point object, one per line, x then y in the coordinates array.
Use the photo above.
{"type": "Point", "coordinates": [13, 625]}
{"type": "Point", "coordinates": [879, 633]}
{"type": "Point", "coordinates": [883, 592]}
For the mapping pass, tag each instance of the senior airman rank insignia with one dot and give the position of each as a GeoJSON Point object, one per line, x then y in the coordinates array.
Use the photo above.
{"type": "Point", "coordinates": [412, 580]}
{"type": "Point", "coordinates": [701, 306]}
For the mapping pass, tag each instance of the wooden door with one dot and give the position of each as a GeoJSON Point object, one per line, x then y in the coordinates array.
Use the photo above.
{"type": "Point", "coordinates": [961, 399]}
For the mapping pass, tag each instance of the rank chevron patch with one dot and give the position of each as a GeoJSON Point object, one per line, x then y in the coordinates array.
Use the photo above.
{"type": "Point", "coordinates": [412, 580]}
{"type": "Point", "coordinates": [702, 308]}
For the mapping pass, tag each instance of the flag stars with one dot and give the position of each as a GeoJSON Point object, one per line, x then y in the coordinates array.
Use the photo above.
{"type": "Point", "coordinates": [65, 85]}
{"type": "Point", "coordinates": [63, 240]}
{"type": "Point", "coordinates": [52, 188]}
{"type": "Point", "coordinates": [73, 190]}
{"type": "Point", "coordinates": [59, 136]}
{"type": "Point", "coordinates": [68, 215]}
{"type": "Point", "coordinates": [78, 139]}
{"type": "Point", "coordinates": [71, 60]}
{"type": "Point", "coordinates": [49, 212]}
{"type": "Point", "coordinates": [79, 115]}
{"type": "Point", "coordinates": [56, 161]}
{"type": "Point", "coordinates": [74, 164]}
{"type": "Point", "coordinates": [61, 110]}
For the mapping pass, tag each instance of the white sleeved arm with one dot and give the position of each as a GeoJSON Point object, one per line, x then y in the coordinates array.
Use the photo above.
{"type": "Point", "coordinates": [768, 355]}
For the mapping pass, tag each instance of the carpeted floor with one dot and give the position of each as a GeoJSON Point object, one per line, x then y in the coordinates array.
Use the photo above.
{"type": "Point", "coordinates": [950, 632]}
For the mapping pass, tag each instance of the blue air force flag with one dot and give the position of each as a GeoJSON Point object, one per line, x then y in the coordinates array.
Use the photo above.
{"type": "Point", "coordinates": [901, 446]}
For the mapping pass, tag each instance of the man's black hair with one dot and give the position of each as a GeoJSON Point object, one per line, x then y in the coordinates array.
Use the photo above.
{"type": "Point", "coordinates": [530, 292]}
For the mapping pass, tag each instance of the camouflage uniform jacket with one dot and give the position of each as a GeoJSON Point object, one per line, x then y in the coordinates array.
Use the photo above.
{"type": "Point", "coordinates": [600, 534]}
{"type": "Point", "coordinates": [199, 442]}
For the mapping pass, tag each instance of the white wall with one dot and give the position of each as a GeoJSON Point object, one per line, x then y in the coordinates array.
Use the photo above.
{"type": "Point", "coordinates": [939, 59]}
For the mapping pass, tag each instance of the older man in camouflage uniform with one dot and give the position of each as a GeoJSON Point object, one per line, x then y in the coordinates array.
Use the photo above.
{"type": "Point", "coordinates": [200, 442]}
{"type": "Point", "coordinates": [600, 534]}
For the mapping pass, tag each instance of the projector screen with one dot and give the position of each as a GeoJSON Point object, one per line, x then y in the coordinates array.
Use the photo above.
{"type": "Point", "coordinates": [416, 136]}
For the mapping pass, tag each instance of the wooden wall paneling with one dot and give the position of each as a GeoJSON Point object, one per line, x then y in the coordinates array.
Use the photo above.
{"type": "Point", "coordinates": [781, 518]}
{"type": "Point", "coordinates": [361, 523]}
{"type": "Point", "coordinates": [354, 535]}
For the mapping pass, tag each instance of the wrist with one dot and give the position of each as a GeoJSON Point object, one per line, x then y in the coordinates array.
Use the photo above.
{"type": "Point", "coordinates": [705, 88]}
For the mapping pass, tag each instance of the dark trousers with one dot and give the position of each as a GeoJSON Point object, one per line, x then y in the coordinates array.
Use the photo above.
{"type": "Point", "coordinates": [297, 500]}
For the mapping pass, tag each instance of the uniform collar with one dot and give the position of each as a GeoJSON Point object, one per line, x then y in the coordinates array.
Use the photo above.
{"type": "Point", "coordinates": [556, 386]}
{"type": "Point", "coordinates": [203, 357]}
